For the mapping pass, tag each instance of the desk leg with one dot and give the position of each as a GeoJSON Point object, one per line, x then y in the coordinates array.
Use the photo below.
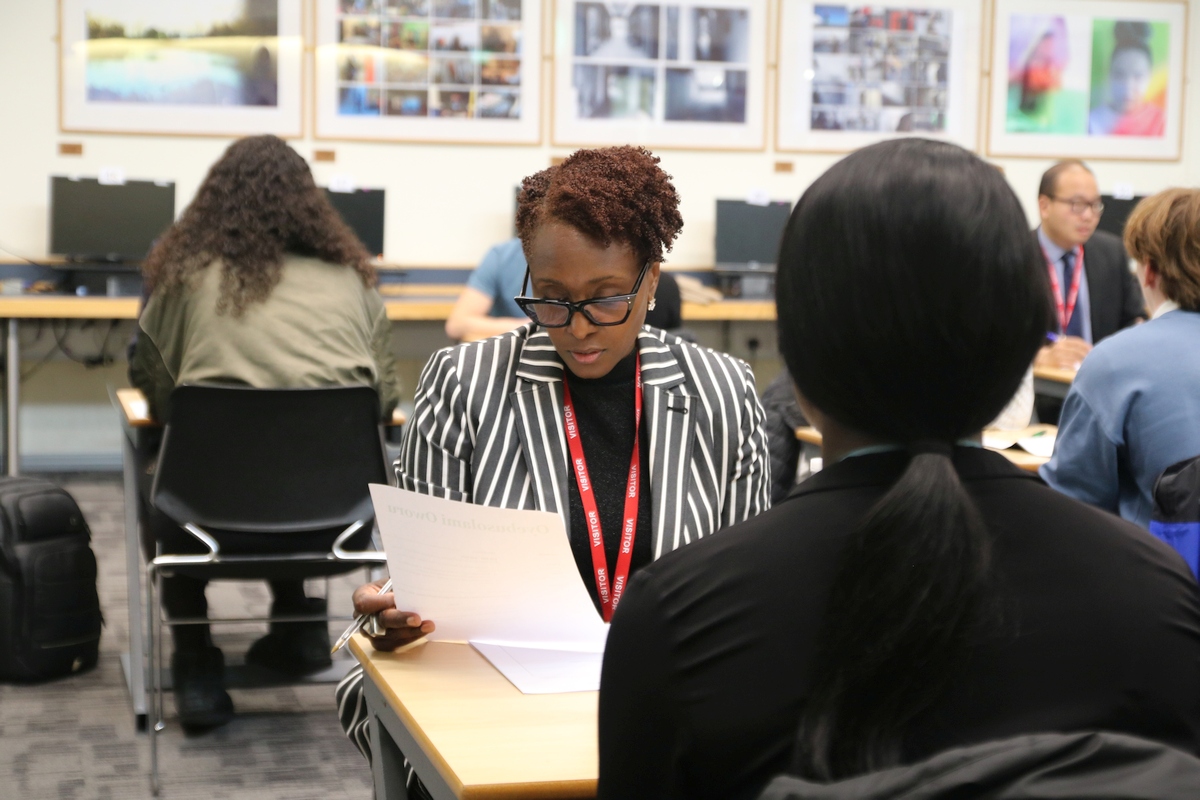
{"type": "Point", "coordinates": [135, 668]}
{"type": "Point", "coordinates": [391, 743]}
{"type": "Point", "coordinates": [13, 398]}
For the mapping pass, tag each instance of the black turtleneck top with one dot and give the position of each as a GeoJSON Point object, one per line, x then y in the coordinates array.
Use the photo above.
{"type": "Point", "coordinates": [605, 415]}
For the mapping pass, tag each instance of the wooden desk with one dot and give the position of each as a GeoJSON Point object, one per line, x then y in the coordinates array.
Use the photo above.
{"type": "Point", "coordinates": [137, 411]}
{"type": "Point", "coordinates": [1052, 381]}
{"type": "Point", "coordinates": [1022, 459]}
{"type": "Point", "coordinates": [469, 733]}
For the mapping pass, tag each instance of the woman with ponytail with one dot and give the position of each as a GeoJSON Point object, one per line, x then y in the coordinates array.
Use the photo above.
{"type": "Point", "coordinates": [920, 593]}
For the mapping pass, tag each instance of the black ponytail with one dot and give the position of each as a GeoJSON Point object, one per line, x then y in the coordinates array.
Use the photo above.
{"type": "Point", "coordinates": [912, 301]}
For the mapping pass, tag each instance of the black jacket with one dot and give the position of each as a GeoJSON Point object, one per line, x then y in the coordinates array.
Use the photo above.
{"type": "Point", "coordinates": [709, 658]}
{"type": "Point", "coordinates": [1049, 766]}
{"type": "Point", "coordinates": [1114, 294]}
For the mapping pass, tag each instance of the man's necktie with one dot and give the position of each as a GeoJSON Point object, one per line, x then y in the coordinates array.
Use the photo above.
{"type": "Point", "coordinates": [1075, 323]}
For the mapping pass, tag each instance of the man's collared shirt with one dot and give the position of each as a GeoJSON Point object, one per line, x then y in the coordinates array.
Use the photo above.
{"type": "Point", "coordinates": [1082, 302]}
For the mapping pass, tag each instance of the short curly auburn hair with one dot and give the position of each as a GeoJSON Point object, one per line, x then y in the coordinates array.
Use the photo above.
{"type": "Point", "coordinates": [613, 194]}
{"type": "Point", "coordinates": [257, 203]}
{"type": "Point", "coordinates": [1164, 230]}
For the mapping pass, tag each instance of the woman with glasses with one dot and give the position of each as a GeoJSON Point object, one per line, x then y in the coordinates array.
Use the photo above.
{"type": "Point", "coordinates": [585, 412]}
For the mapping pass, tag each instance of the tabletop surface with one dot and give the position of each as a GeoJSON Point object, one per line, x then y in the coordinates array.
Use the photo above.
{"type": "Point", "coordinates": [486, 738]}
{"type": "Point", "coordinates": [137, 411]}
{"type": "Point", "coordinates": [1055, 374]}
{"type": "Point", "coordinates": [406, 302]}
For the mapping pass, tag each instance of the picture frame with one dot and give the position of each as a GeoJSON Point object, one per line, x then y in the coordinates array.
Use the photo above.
{"type": "Point", "coordinates": [1100, 79]}
{"type": "Point", "coordinates": [675, 74]}
{"type": "Point", "coordinates": [192, 67]}
{"type": "Point", "coordinates": [852, 73]}
{"type": "Point", "coordinates": [438, 71]}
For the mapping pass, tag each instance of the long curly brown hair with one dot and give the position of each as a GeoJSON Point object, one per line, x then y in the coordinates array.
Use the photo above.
{"type": "Point", "coordinates": [610, 194]}
{"type": "Point", "coordinates": [257, 203]}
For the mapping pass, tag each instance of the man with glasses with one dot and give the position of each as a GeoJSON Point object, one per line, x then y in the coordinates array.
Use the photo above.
{"type": "Point", "coordinates": [1094, 291]}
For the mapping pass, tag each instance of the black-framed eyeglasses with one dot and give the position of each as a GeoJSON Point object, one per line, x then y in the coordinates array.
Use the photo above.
{"type": "Point", "coordinates": [1079, 206]}
{"type": "Point", "coordinates": [602, 311]}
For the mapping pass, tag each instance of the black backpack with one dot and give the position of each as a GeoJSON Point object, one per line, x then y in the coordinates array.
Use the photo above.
{"type": "Point", "coordinates": [49, 610]}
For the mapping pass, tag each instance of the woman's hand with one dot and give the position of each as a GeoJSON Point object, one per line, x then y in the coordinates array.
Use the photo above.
{"type": "Point", "coordinates": [403, 627]}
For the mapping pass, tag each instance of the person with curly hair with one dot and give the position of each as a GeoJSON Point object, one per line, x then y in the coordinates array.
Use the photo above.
{"type": "Point", "coordinates": [259, 283]}
{"type": "Point", "coordinates": [497, 422]}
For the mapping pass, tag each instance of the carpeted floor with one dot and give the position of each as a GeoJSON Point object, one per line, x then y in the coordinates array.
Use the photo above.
{"type": "Point", "coordinates": [76, 738]}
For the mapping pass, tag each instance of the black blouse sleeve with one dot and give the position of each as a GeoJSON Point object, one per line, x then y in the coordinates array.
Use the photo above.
{"type": "Point", "coordinates": [639, 732]}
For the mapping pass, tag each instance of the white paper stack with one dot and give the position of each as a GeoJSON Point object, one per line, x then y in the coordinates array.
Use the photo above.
{"type": "Point", "coordinates": [503, 580]}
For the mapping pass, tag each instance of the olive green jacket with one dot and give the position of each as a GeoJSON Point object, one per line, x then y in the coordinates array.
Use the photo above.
{"type": "Point", "coordinates": [319, 327]}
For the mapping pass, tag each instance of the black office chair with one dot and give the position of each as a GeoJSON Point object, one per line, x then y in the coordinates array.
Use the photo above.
{"type": "Point", "coordinates": [262, 480]}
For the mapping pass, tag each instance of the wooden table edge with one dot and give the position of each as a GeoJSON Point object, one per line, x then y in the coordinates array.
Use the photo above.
{"type": "Point", "coordinates": [362, 650]}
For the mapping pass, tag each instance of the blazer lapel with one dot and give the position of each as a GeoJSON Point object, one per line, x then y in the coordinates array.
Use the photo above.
{"type": "Point", "coordinates": [537, 409]}
{"type": "Point", "coordinates": [670, 413]}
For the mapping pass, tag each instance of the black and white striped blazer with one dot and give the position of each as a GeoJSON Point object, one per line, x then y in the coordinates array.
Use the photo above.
{"type": "Point", "coordinates": [487, 428]}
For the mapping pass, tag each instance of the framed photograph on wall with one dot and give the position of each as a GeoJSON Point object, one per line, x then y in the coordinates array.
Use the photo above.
{"type": "Point", "coordinates": [851, 74]}
{"type": "Point", "coordinates": [675, 73]}
{"type": "Point", "coordinates": [464, 71]}
{"type": "Point", "coordinates": [195, 67]}
{"type": "Point", "coordinates": [1087, 78]}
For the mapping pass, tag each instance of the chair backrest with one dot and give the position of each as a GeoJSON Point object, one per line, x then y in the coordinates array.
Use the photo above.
{"type": "Point", "coordinates": [270, 460]}
{"type": "Point", "coordinates": [1176, 515]}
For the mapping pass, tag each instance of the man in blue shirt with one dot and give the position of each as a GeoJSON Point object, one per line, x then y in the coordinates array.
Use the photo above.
{"type": "Point", "coordinates": [486, 307]}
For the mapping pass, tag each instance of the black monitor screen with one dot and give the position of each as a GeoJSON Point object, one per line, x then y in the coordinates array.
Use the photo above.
{"type": "Point", "coordinates": [750, 233]}
{"type": "Point", "coordinates": [111, 222]}
{"type": "Point", "coordinates": [1115, 213]}
{"type": "Point", "coordinates": [363, 211]}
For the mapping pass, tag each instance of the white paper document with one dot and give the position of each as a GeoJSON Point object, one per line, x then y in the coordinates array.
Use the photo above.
{"type": "Point", "coordinates": [537, 671]}
{"type": "Point", "coordinates": [486, 575]}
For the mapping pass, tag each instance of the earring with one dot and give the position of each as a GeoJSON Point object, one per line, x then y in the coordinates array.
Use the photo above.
{"type": "Point", "coordinates": [651, 306]}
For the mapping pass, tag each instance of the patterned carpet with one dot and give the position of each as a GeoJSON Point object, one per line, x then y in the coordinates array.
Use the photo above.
{"type": "Point", "coordinates": [75, 738]}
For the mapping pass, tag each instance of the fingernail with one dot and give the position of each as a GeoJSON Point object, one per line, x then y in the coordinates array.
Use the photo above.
{"type": "Point", "coordinates": [414, 622]}
{"type": "Point", "coordinates": [427, 627]}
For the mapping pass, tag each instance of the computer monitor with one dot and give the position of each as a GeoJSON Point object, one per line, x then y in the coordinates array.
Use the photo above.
{"type": "Point", "coordinates": [749, 235]}
{"type": "Point", "coordinates": [1115, 213]}
{"type": "Point", "coordinates": [100, 222]}
{"type": "Point", "coordinates": [362, 210]}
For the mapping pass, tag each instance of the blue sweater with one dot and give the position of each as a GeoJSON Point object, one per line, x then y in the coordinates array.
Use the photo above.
{"type": "Point", "coordinates": [1133, 411]}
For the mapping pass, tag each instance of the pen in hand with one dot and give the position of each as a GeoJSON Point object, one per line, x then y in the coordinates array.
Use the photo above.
{"type": "Point", "coordinates": [358, 623]}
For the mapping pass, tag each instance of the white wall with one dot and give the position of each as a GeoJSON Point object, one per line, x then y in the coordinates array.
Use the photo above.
{"type": "Point", "coordinates": [446, 204]}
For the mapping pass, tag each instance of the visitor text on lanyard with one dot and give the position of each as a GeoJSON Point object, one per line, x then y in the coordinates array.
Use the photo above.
{"type": "Point", "coordinates": [1065, 310]}
{"type": "Point", "coordinates": [608, 590]}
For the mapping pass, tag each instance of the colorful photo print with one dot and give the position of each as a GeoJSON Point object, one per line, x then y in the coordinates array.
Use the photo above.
{"type": "Point", "coordinates": [410, 35]}
{"type": "Point", "coordinates": [615, 92]}
{"type": "Point", "coordinates": [720, 34]}
{"type": "Point", "coordinates": [453, 103]}
{"type": "Point", "coordinates": [459, 71]}
{"type": "Point", "coordinates": [422, 67]}
{"type": "Point", "coordinates": [407, 8]}
{"type": "Point", "coordinates": [500, 72]}
{"type": "Point", "coordinates": [359, 101]}
{"type": "Point", "coordinates": [498, 105]}
{"type": "Point", "coordinates": [616, 32]}
{"type": "Point", "coordinates": [405, 67]}
{"type": "Point", "coordinates": [1130, 61]}
{"type": "Point", "coordinates": [501, 9]}
{"type": "Point", "coordinates": [706, 94]}
{"type": "Point", "coordinates": [407, 103]}
{"type": "Point", "coordinates": [500, 38]}
{"type": "Point", "coordinates": [879, 70]}
{"type": "Point", "coordinates": [458, 37]}
{"type": "Point", "coordinates": [212, 54]}
{"type": "Point", "coordinates": [1049, 74]}
{"type": "Point", "coordinates": [454, 9]}
{"type": "Point", "coordinates": [360, 30]}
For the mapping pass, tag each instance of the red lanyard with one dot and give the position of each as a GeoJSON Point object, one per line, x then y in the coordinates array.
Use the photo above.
{"type": "Point", "coordinates": [1065, 310]}
{"type": "Point", "coordinates": [609, 595]}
